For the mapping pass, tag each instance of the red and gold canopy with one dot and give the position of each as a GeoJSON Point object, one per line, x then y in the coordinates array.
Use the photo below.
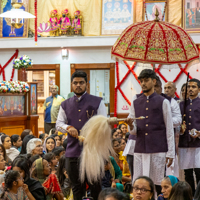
{"type": "Point", "coordinates": [155, 42]}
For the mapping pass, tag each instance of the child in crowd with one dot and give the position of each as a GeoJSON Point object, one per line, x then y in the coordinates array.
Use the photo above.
{"type": "Point", "coordinates": [107, 180]}
{"type": "Point", "coordinates": [16, 142]}
{"type": "Point", "coordinates": [15, 188]}
{"type": "Point", "coordinates": [51, 158]}
{"type": "Point", "coordinates": [58, 152]}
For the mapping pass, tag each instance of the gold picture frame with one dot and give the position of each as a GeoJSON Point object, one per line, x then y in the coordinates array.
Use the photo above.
{"type": "Point", "coordinates": [191, 16]}
{"type": "Point", "coordinates": [150, 6]}
{"type": "Point", "coordinates": [6, 29]}
{"type": "Point", "coordinates": [110, 24]}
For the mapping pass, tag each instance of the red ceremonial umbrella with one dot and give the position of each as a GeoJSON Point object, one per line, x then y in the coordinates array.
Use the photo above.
{"type": "Point", "coordinates": [155, 42]}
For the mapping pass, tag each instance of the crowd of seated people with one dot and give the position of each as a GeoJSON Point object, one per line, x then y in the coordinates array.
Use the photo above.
{"type": "Point", "coordinates": [34, 168]}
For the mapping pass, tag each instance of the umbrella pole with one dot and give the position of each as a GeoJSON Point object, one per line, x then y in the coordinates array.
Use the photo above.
{"type": "Point", "coordinates": [154, 66]}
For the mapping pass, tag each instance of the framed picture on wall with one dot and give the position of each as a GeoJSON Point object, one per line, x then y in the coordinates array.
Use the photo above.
{"type": "Point", "coordinates": [32, 98]}
{"type": "Point", "coordinates": [191, 15]}
{"type": "Point", "coordinates": [116, 15]}
{"type": "Point", "coordinates": [6, 28]}
{"type": "Point", "coordinates": [150, 7]}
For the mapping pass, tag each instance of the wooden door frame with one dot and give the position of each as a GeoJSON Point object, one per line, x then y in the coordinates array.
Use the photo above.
{"type": "Point", "coordinates": [98, 66]}
{"type": "Point", "coordinates": [45, 67]}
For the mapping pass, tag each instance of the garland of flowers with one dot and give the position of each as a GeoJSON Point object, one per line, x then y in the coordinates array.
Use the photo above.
{"type": "Point", "coordinates": [36, 21]}
{"type": "Point", "coordinates": [14, 87]}
{"type": "Point", "coordinates": [2, 69]}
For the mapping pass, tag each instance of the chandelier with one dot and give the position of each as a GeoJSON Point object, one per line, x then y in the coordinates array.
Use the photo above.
{"type": "Point", "coordinates": [17, 14]}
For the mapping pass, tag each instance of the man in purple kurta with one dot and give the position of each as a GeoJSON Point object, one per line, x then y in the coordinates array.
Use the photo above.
{"type": "Point", "coordinates": [73, 114]}
{"type": "Point", "coordinates": [189, 144]}
{"type": "Point", "coordinates": [155, 138]}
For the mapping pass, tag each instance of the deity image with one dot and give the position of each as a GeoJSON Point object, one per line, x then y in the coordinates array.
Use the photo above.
{"type": "Point", "coordinates": [125, 14]}
{"type": "Point", "coordinates": [54, 25]}
{"type": "Point", "coordinates": [12, 105]}
{"type": "Point", "coordinates": [33, 100]}
{"type": "Point", "coordinates": [65, 23]}
{"type": "Point", "coordinates": [109, 13]}
{"type": "Point", "coordinates": [77, 23]}
{"type": "Point", "coordinates": [117, 12]}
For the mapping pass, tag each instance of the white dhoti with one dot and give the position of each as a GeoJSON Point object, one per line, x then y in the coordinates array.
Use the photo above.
{"type": "Point", "coordinates": [151, 165]}
{"type": "Point", "coordinates": [189, 158]}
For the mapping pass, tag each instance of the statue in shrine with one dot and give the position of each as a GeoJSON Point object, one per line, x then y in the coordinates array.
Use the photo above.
{"type": "Point", "coordinates": [65, 23]}
{"type": "Point", "coordinates": [54, 26]}
{"type": "Point", "coordinates": [77, 23]}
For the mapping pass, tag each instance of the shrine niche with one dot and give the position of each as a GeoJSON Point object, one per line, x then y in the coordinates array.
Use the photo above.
{"type": "Point", "coordinates": [15, 104]}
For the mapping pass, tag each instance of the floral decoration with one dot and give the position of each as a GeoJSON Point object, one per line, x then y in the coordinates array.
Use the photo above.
{"type": "Point", "coordinates": [22, 62]}
{"type": "Point", "coordinates": [14, 87]}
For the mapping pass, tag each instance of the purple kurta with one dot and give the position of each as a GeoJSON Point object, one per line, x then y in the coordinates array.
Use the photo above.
{"type": "Point", "coordinates": [78, 112]}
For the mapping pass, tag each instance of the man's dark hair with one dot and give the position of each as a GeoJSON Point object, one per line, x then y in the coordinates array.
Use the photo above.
{"type": "Point", "coordinates": [79, 74]}
{"type": "Point", "coordinates": [196, 81]}
{"type": "Point", "coordinates": [158, 81]}
{"type": "Point", "coordinates": [147, 73]}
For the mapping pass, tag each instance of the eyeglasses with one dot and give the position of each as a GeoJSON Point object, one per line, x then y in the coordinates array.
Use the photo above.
{"type": "Point", "coordinates": [142, 190]}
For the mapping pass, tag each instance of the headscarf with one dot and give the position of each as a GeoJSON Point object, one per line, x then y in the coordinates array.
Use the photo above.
{"type": "Point", "coordinates": [44, 144]}
{"type": "Point", "coordinates": [37, 170]}
{"type": "Point", "coordinates": [173, 180]}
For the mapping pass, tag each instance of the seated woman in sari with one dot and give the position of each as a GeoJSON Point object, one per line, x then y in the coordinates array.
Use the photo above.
{"type": "Point", "coordinates": [40, 170]}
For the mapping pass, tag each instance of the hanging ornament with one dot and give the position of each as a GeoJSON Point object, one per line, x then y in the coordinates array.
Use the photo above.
{"type": "Point", "coordinates": [35, 22]}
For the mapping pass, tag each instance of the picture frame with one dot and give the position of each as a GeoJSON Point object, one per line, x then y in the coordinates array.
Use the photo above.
{"type": "Point", "coordinates": [116, 15]}
{"type": "Point", "coordinates": [12, 104]}
{"type": "Point", "coordinates": [149, 9]}
{"type": "Point", "coordinates": [32, 108]}
{"type": "Point", "coordinates": [191, 15]}
{"type": "Point", "coordinates": [6, 29]}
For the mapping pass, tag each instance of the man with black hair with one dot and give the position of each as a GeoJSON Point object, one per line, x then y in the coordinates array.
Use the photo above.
{"type": "Point", "coordinates": [73, 114]}
{"type": "Point", "coordinates": [155, 138]}
{"type": "Point", "coordinates": [189, 139]}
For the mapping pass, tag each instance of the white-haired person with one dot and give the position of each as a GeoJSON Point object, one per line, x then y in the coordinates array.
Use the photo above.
{"type": "Point", "coordinates": [51, 108]}
{"type": "Point", "coordinates": [34, 147]}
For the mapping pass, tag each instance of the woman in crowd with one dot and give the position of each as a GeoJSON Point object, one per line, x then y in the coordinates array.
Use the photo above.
{"type": "Point", "coordinates": [57, 139]}
{"type": "Point", "coordinates": [182, 94]}
{"type": "Point", "coordinates": [43, 136]}
{"type": "Point", "coordinates": [112, 194]}
{"type": "Point", "coordinates": [34, 147]}
{"type": "Point", "coordinates": [181, 191]}
{"type": "Point", "coordinates": [24, 143]}
{"type": "Point", "coordinates": [3, 153]}
{"type": "Point", "coordinates": [11, 152]}
{"type": "Point", "coordinates": [21, 165]}
{"type": "Point", "coordinates": [123, 128]}
{"type": "Point", "coordinates": [63, 178]}
{"type": "Point", "coordinates": [117, 149]}
{"type": "Point", "coordinates": [116, 133]}
{"type": "Point", "coordinates": [49, 144]}
{"type": "Point", "coordinates": [16, 142]}
{"type": "Point", "coordinates": [25, 133]}
{"type": "Point", "coordinates": [53, 162]}
{"type": "Point", "coordinates": [2, 173]}
{"type": "Point", "coordinates": [143, 188]}
{"type": "Point", "coordinates": [13, 187]}
{"type": "Point", "coordinates": [40, 170]}
{"type": "Point", "coordinates": [167, 183]}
